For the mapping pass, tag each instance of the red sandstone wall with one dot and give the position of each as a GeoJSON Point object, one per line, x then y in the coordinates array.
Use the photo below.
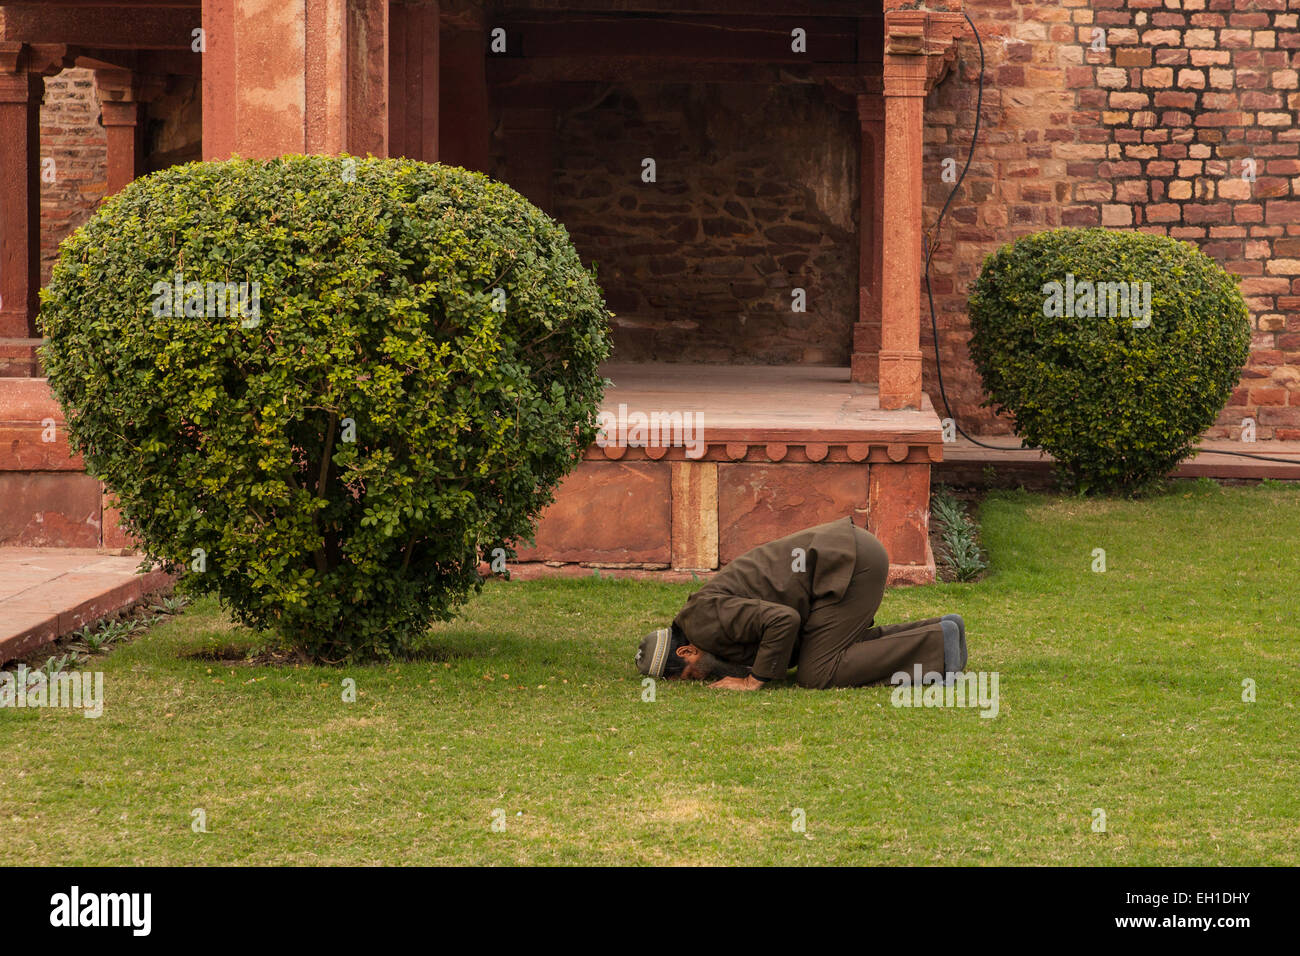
{"type": "Point", "coordinates": [1150, 134]}
{"type": "Point", "coordinates": [756, 195]}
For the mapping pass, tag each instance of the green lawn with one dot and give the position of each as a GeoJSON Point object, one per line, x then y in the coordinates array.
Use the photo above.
{"type": "Point", "coordinates": [1119, 690]}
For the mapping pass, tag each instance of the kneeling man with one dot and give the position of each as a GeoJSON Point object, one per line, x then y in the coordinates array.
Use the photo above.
{"type": "Point", "coordinates": [808, 599]}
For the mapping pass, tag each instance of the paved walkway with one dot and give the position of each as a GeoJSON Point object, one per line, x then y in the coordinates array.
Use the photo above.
{"type": "Point", "coordinates": [46, 593]}
{"type": "Point", "coordinates": [964, 461]}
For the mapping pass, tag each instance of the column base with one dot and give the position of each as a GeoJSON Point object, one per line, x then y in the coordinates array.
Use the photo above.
{"type": "Point", "coordinates": [864, 367]}
{"type": "Point", "coordinates": [900, 378]}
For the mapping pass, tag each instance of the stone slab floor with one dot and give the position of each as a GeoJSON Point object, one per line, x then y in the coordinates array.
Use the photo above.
{"type": "Point", "coordinates": [46, 593]}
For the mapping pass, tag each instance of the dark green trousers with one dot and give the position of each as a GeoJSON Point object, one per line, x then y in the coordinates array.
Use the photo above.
{"type": "Point", "coordinates": [839, 644]}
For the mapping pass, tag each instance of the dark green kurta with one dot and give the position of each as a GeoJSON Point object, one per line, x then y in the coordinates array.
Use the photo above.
{"type": "Point", "coordinates": [752, 610]}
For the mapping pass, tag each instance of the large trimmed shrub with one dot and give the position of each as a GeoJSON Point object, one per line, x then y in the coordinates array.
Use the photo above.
{"type": "Point", "coordinates": [335, 466]}
{"type": "Point", "coordinates": [1117, 399]}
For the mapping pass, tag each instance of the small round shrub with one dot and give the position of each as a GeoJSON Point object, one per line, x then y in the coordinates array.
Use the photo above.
{"type": "Point", "coordinates": [325, 386]}
{"type": "Point", "coordinates": [1116, 389]}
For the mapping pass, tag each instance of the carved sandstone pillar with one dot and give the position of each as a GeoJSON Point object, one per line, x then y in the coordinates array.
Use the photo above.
{"type": "Point", "coordinates": [900, 334]}
{"type": "Point", "coordinates": [122, 97]}
{"type": "Point", "coordinates": [919, 45]}
{"type": "Point", "coordinates": [23, 68]}
{"type": "Point", "coordinates": [866, 331]}
{"type": "Point", "coordinates": [295, 78]}
{"type": "Point", "coordinates": [21, 91]}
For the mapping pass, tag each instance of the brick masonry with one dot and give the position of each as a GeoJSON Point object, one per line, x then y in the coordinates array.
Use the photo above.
{"type": "Point", "coordinates": [74, 148]}
{"type": "Point", "coordinates": [74, 159]}
{"type": "Point", "coordinates": [755, 195]}
{"type": "Point", "coordinates": [1153, 132]}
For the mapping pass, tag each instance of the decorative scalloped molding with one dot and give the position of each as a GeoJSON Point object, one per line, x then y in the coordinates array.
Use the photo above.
{"type": "Point", "coordinates": [869, 452]}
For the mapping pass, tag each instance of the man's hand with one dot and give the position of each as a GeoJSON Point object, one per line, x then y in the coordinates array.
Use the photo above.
{"type": "Point", "coordinates": [738, 683]}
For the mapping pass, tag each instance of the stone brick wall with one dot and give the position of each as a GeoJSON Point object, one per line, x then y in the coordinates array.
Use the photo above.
{"type": "Point", "coordinates": [1152, 133]}
{"type": "Point", "coordinates": [756, 194]}
{"type": "Point", "coordinates": [173, 125]}
{"type": "Point", "coordinates": [72, 138]}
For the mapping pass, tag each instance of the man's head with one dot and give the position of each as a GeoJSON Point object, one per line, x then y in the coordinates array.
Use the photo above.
{"type": "Point", "coordinates": [664, 653]}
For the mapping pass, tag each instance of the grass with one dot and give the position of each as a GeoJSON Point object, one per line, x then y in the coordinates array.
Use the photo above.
{"type": "Point", "coordinates": [1119, 690]}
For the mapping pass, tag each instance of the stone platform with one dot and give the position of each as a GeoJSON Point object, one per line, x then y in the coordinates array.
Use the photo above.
{"type": "Point", "coordinates": [48, 500]}
{"type": "Point", "coordinates": [46, 593]}
{"type": "Point", "coordinates": [751, 453]}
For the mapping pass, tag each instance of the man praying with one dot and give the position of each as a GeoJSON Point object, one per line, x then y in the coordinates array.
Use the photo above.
{"type": "Point", "coordinates": [808, 600]}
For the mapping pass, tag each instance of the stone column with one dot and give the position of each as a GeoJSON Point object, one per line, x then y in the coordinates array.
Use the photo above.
{"type": "Point", "coordinates": [867, 330]}
{"type": "Point", "coordinates": [21, 92]}
{"type": "Point", "coordinates": [121, 103]}
{"type": "Point", "coordinates": [414, 83]}
{"type": "Point", "coordinates": [900, 351]}
{"type": "Point", "coordinates": [295, 78]}
{"type": "Point", "coordinates": [920, 47]}
{"type": "Point", "coordinates": [464, 119]}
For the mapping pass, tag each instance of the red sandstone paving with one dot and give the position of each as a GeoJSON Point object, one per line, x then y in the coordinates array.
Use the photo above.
{"type": "Point", "coordinates": [46, 593]}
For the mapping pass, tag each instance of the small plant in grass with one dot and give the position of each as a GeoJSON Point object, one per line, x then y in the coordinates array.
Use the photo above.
{"type": "Point", "coordinates": [101, 636]}
{"type": "Point", "coordinates": [107, 633]}
{"type": "Point", "coordinates": [170, 605]}
{"type": "Point", "coordinates": [961, 552]}
{"type": "Point", "coordinates": [90, 640]}
{"type": "Point", "coordinates": [116, 630]}
{"type": "Point", "coordinates": [56, 664]}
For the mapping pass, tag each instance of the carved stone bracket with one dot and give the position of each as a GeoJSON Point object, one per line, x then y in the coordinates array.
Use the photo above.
{"type": "Point", "coordinates": [845, 91]}
{"type": "Point", "coordinates": [128, 86]}
{"type": "Point", "coordinates": [39, 59]}
{"type": "Point", "coordinates": [919, 33]}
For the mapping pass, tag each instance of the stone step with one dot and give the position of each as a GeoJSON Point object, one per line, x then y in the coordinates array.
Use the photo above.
{"type": "Point", "coordinates": [964, 462]}
{"type": "Point", "coordinates": [47, 593]}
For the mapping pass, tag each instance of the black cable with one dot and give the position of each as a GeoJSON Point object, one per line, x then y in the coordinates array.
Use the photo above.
{"type": "Point", "coordinates": [929, 293]}
{"type": "Point", "coordinates": [931, 246]}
